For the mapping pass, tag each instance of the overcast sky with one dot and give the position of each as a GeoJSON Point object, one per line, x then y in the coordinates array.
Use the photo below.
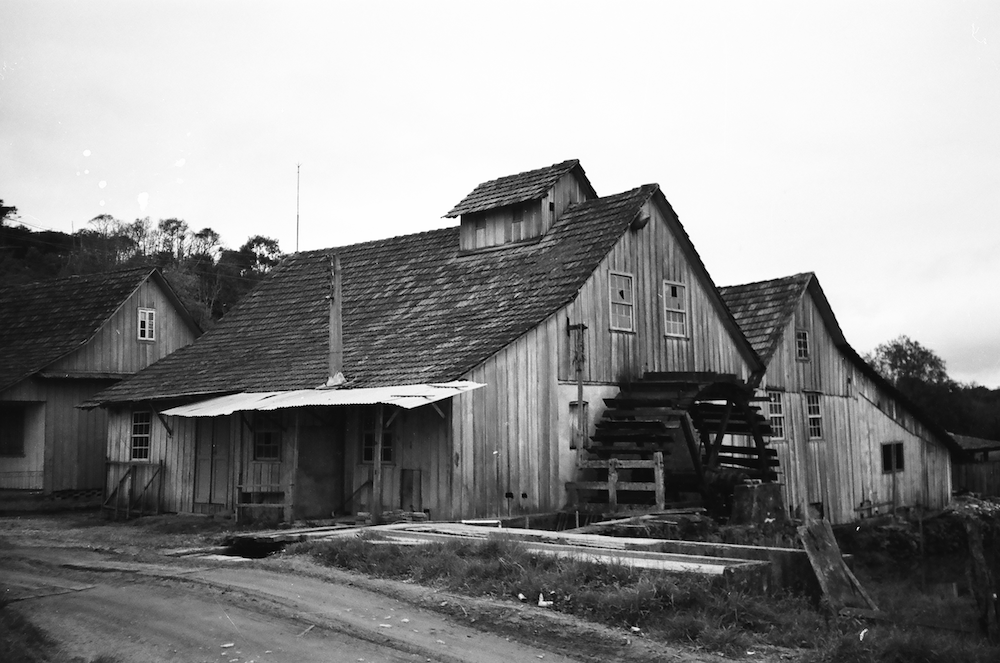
{"type": "Point", "coordinates": [857, 140]}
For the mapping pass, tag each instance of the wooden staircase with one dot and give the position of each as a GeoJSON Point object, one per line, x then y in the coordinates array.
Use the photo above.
{"type": "Point", "coordinates": [664, 434]}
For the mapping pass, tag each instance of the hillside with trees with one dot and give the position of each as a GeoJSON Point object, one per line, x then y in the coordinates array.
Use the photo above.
{"type": "Point", "coordinates": [208, 277]}
{"type": "Point", "coordinates": [921, 375]}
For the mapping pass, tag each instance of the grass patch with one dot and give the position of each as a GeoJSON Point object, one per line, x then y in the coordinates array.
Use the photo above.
{"type": "Point", "coordinates": [708, 613]}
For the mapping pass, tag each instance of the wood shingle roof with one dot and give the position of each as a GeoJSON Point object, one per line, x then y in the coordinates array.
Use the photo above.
{"type": "Point", "coordinates": [415, 310]}
{"type": "Point", "coordinates": [46, 320]}
{"type": "Point", "coordinates": [764, 308]}
{"type": "Point", "coordinates": [519, 188]}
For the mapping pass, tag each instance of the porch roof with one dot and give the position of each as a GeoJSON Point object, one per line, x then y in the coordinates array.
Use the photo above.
{"type": "Point", "coordinates": [407, 396]}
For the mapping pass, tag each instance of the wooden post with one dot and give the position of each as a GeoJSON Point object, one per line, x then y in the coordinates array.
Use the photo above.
{"type": "Point", "coordinates": [661, 497]}
{"type": "Point", "coordinates": [376, 508]}
{"type": "Point", "coordinates": [613, 483]}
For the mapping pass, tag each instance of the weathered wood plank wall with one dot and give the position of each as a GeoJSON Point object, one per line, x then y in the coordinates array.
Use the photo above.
{"type": "Point", "coordinates": [117, 349]}
{"type": "Point", "coordinates": [843, 469]}
{"type": "Point", "coordinates": [650, 255]}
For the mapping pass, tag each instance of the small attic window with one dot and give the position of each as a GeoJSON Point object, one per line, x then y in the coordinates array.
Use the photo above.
{"type": "Point", "coordinates": [147, 324]}
{"type": "Point", "coordinates": [674, 309]}
{"type": "Point", "coordinates": [802, 345]}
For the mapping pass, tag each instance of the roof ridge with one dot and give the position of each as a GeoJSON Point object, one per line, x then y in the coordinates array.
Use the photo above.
{"type": "Point", "coordinates": [769, 281]}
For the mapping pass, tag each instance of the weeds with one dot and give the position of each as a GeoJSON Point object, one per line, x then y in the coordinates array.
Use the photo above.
{"type": "Point", "coordinates": [710, 613]}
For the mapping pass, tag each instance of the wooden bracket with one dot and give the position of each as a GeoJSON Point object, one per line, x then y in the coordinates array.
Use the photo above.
{"type": "Point", "coordinates": [438, 410]}
{"type": "Point", "coordinates": [392, 418]}
{"type": "Point", "coordinates": [170, 431]}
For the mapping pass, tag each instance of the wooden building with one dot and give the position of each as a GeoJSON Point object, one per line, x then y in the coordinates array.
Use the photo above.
{"type": "Point", "coordinates": [539, 305]}
{"type": "Point", "coordinates": [61, 342]}
{"type": "Point", "coordinates": [849, 444]}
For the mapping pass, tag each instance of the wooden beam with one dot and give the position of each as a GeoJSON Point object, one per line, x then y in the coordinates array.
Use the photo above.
{"type": "Point", "coordinates": [376, 506]}
{"type": "Point", "coordinates": [721, 433]}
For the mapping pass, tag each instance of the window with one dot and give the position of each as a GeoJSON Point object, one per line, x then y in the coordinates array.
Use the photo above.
{"type": "Point", "coordinates": [622, 302]}
{"type": "Point", "coordinates": [776, 414]}
{"type": "Point", "coordinates": [802, 345]}
{"type": "Point", "coordinates": [517, 225]}
{"type": "Point", "coordinates": [369, 426]}
{"type": "Point", "coordinates": [141, 426]}
{"type": "Point", "coordinates": [675, 309]}
{"type": "Point", "coordinates": [815, 416]}
{"type": "Point", "coordinates": [11, 430]}
{"type": "Point", "coordinates": [892, 457]}
{"type": "Point", "coordinates": [267, 444]}
{"type": "Point", "coordinates": [147, 324]}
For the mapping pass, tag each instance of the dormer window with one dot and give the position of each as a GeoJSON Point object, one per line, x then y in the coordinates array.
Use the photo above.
{"type": "Point", "coordinates": [147, 324]}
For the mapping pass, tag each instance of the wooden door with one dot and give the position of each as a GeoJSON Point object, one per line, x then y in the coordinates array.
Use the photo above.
{"type": "Point", "coordinates": [211, 475]}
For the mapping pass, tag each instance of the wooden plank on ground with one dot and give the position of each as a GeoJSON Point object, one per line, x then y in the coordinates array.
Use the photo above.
{"type": "Point", "coordinates": [839, 585]}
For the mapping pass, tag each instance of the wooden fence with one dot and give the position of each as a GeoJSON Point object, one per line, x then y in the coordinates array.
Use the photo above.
{"type": "Point", "coordinates": [982, 478]}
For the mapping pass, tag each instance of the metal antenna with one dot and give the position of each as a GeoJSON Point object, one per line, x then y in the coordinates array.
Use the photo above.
{"type": "Point", "coordinates": [297, 167]}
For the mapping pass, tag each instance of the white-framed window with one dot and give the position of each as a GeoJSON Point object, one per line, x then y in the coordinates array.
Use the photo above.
{"type": "Point", "coordinates": [147, 324]}
{"type": "Point", "coordinates": [776, 414]}
{"type": "Point", "coordinates": [892, 457]}
{"type": "Point", "coordinates": [802, 345]}
{"type": "Point", "coordinates": [814, 415]}
{"type": "Point", "coordinates": [675, 309]}
{"type": "Point", "coordinates": [369, 425]}
{"type": "Point", "coordinates": [622, 299]}
{"type": "Point", "coordinates": [142, 424]}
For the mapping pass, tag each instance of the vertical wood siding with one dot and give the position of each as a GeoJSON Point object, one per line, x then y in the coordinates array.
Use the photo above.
{"type": "Point", "coordinates": [116, 347]}
{"type": "Point", "coordinates": [177, 452]}
{"type": "Point", "coordinates": [506, 434]}
{"type": "Point", "coordinates": [422, 447]}
{"type": "Point", "coordinates": [67, 447]}
{"type": "Point", "coordinates": [651, 255]}
{"type": "Point", "coordinates": [843, 470]}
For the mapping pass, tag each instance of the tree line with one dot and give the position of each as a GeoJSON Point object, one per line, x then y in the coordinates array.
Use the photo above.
{"type": "Point", "coordinates": [922, 376]}
{"type": "Point", "coordinates": [208, 277]}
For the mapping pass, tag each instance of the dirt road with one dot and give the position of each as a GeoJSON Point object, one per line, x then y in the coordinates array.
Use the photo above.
{"type": "Point", "coordinates": [151, 608]}
{"type": "Point", "coordinates": [137, 611]}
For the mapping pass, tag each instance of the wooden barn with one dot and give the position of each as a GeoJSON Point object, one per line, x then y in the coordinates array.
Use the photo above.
{"type": "Point", "coordinates": [472, 358]}
{"type": "Point", "coordinates": [61, 342]}
{"type": "Point", "coordinates": [849, 444]}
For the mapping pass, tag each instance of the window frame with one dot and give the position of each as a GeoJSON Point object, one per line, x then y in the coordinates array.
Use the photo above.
{"type": "Point", "coordinates": [895, 456]}
{"type": "Point", "coordinates": [275, 443]}
{"type": "Point", "coordinates": [776, 413]}
{"type": "Point", "coordinates": [146, 324]}
{"type": "Point", "coordinates": [803, 348]}
{"type": "Point", "coordinates": [367, 418]}
{"type": "Point", "coordinates": [682, 311]}
{"type": "Point", "coordinates": [612, 302]}
{"type": "Point", "coordinates": [814, 415]}
{"type": "Point", "coordinates": [136, 438]}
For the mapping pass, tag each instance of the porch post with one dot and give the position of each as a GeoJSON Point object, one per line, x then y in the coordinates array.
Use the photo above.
{"type": "Point", "coordinates": [377, 468]}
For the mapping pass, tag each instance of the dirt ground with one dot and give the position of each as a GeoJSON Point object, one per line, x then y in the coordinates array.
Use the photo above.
{"type": "Point", "coordinates": [101, 589]}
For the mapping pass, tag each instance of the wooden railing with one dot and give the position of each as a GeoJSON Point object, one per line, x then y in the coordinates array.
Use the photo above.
{"type": "Point", "coordinates": [124, 497]}
{"type": "Point", "coordinates": [612, 485]}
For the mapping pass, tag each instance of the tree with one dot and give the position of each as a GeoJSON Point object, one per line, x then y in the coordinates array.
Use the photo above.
{"type": "Point", "coordinates": [260, 254]}
{"type": "Point", "coordinates": [903, 359]}
{"type": "Point", "coordinates": [7, 211]}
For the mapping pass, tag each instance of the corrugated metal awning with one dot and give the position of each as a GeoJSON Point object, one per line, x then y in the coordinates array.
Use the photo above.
{"type": "Point", "coordinates": [406, 396]}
